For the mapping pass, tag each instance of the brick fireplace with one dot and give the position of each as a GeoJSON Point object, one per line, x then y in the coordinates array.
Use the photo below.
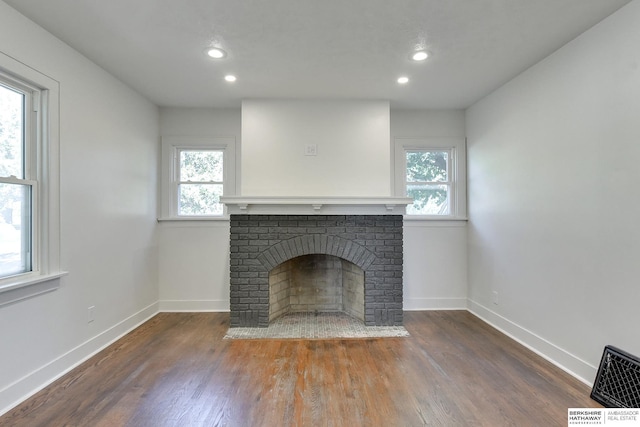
{"type": "Point", "coordinates": [358, 259]}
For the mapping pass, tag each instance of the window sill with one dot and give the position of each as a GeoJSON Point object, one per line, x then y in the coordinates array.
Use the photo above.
{"type": "Point", "coordinates": [433, 221]}
{"type": "Point", "coordinates": [434, 218]}
{"type": "Point", "coordinates": [29, 286]}
{"type": "Point", "coordinates": [193, 218]}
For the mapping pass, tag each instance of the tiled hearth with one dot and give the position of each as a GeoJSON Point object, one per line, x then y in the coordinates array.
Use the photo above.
{"type": "Point", "coordinates": [261, 243]}
{"type": "Point", "coordinates": [309, 325]}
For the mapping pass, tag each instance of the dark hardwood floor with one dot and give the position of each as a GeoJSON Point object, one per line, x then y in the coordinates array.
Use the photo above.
{"type": "Point", "coordinates": [176, 370]}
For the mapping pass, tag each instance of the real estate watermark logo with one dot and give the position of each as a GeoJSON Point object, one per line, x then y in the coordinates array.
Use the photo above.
{"type": "Point", "coordinates": [627, 417]}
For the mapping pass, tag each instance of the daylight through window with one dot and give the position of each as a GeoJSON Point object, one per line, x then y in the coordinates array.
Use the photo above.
{"type": "Point", "coordinates": [16, 183]}
{"type": "Point", "coordinates": [428, 182]}
{"type": "Point", "coordinates": [432, 172]}
{"type": "Point", "coordinates": [29, 182]}
{"type": "Point", "coordinates": [200, 182]}
{"type": "Point", "coordinates": [196, 173]}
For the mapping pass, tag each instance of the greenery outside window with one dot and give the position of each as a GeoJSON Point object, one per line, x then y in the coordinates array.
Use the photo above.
{"type": "Point", "coordinates": [196, 173]}
{"type": "Point", "coordinates": [200, 182]}
{"type": "Point", "coordinates": [431, 171]}
{"type": "Point", "coordinates": [428, 182]}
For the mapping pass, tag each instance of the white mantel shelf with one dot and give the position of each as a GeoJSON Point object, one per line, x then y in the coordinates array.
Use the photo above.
{"type": "Point", "coordinates": [316, 205]}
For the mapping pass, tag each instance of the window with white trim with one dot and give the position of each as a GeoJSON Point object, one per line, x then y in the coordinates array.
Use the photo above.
{"type": "Point", "coordinates": [17, 178]}
{"type": "Point", "coordinates": [432, 172]}
{"type": "Point", "coordinates": [29, 191]}
{"type": "Point", "coordinates": [196, 173]}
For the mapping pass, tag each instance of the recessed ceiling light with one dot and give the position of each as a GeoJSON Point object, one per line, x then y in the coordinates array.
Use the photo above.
{"type": "Point", "coordinates": [230, 78]}
{"type": "Point", "coordinates": [216, 53]}
{"type": "Point", "coordinates": [420, 55]}
{"type": "Point", "coordinates": [403, 80]}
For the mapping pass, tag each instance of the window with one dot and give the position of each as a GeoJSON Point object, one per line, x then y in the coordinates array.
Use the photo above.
{"type": "Point", "coordinates": [432, 172]}
{"type": "Point", "coordinates": [428, 181]}
{"type": "Point", "coordinates": [196, 173]}
{"type": "Point", "coordinates": [200, 181]}
{"type": "Point", "coordinates": [17, 179]}
{"type": "Point", "coordinates": [29, 192]}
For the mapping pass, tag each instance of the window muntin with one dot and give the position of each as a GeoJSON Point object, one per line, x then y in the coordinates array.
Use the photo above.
{"type": "Point", "coordinates": [17, 185]}
{"type": "Point", "coordinates": [428, 182]}
{"type": "Point", "coordinates": [200, 182]}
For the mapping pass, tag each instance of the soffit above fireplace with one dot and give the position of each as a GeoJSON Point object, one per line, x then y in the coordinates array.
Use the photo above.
{"type": "Point", "coordinates": [316, 205]}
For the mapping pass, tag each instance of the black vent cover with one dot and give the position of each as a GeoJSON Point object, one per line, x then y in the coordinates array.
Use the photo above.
{"type": "Point", "coordinates": [617, 383]}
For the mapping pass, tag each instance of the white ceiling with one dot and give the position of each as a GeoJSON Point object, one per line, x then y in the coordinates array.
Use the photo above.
{"type": "Point", "coordinates": [338, 49]}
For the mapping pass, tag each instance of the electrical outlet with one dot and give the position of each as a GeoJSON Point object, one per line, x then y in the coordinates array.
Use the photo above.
{"type": "Point", "coordinates": [311, 150]}
{"type": "Point", "coordinates": [91, 314]}
{"type": "Point", "coordinates": [495, 297]}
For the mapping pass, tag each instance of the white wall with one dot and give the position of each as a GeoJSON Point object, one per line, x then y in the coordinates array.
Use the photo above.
{"type": "Point", "coordinates": [352, 140]}
{"type": "Point", "coordinates": [193, 269]}
{"type": "Point", "coordinates": [553, 198]}
{"type": "Point", "coordinates": [194, 264]}
{"type": "Point", "coordinates": [108, 157]}
{"type": "Point", "coordinates": [435, 252]}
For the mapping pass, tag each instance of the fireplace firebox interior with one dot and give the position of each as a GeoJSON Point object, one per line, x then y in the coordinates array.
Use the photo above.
{"type": "Point", "coordinates": [316, 283]}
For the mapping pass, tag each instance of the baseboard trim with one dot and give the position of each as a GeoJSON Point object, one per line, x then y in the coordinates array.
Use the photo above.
{"type": "Point", "coordinates": [564, 360]}
{"type": "Point", "coordinates": [25, 387]}
{"type": "Point", "coordinates": [421, 304]}
{"type": "Point", "coordinates": [194, 305]}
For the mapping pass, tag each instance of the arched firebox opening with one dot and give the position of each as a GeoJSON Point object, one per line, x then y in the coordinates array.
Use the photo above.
{"type": "Point", "coordinates": [316, 283]}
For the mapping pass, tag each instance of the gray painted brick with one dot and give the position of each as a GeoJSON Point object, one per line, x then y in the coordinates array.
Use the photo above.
{"type": "Point", "coordinates": [316, 230]}
{"type": "Point", "coordinates": [260, 242]}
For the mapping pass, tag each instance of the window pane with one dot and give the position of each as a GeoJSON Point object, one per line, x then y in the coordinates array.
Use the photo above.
{"type": "Point", "coordinates": [201, 165]}
{"type": "Point", "coordinates": [199, 199]}
{"type": "Point", "coordinates": [15, 229]}
{"type": "Point", "coordinates": [11, 133]}
{"type": "Point", "coordinates": [428, 199]}
{"type": "Point", "coordinates": [427, 166]}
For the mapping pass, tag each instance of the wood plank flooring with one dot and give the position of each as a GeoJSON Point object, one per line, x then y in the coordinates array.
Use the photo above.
{"type": "Point", "coordinates": [176, 370]}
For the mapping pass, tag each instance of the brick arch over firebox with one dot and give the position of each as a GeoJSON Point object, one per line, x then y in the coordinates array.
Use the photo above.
{"type": "Point", "coordinates": [317, 244]}
{"type": "Point", "coordinates": [258, 243]}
